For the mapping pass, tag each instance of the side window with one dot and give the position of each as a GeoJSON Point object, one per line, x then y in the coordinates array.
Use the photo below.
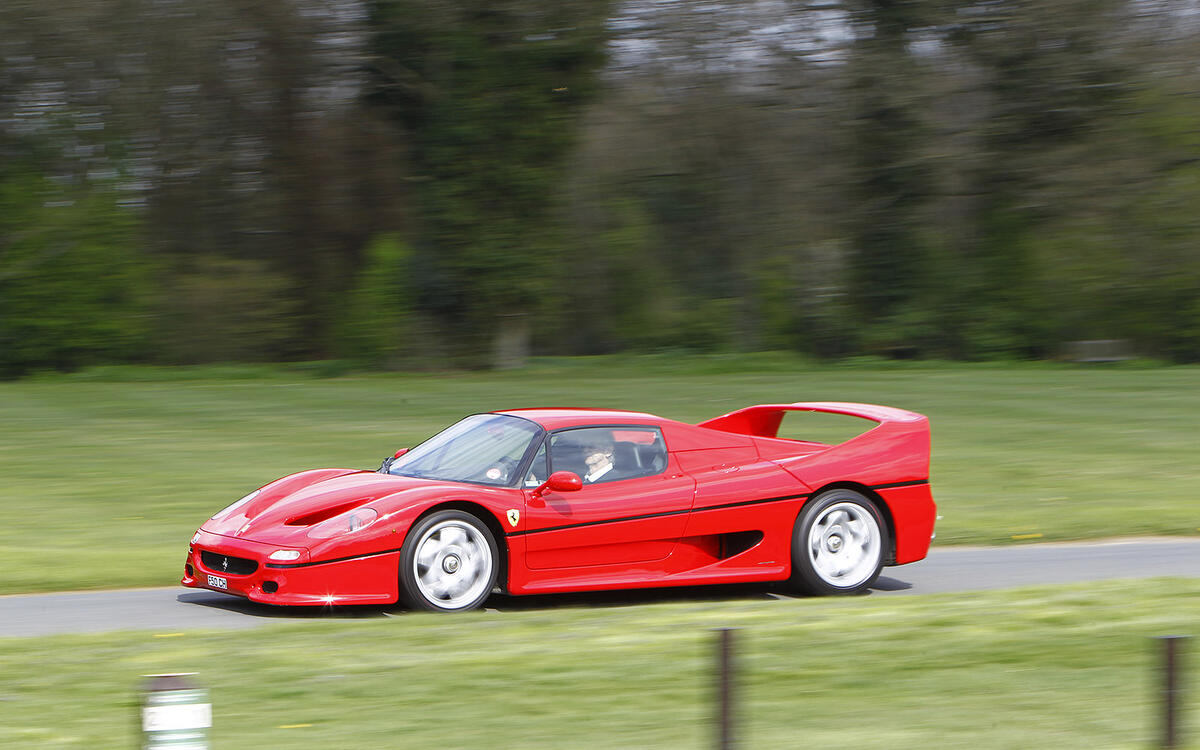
{"type": "Point", "coordinates": [607, 454]}
{"type": "Point", "coordinates": [539, 470]}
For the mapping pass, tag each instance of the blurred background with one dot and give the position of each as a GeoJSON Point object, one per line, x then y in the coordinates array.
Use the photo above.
{"type": "Point", "coordinates": [423, 183]}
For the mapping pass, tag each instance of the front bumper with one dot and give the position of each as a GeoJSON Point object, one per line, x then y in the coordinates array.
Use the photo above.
{"type": "Point", "coordinates": [365, 579]}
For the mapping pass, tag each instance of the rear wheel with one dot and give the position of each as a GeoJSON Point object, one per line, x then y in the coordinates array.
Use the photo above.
{"type": "Point", "coordinates": [838, 544]}
{"type": "Point", "coordinates": [448, 562]}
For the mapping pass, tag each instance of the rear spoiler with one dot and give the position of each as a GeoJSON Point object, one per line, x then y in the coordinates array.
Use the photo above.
{"type": "Point", "coordinates": [764, 420]}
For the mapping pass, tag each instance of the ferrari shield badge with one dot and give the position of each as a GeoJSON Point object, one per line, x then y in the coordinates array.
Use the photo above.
{"type": "Point", "coordinates": [514, 516]}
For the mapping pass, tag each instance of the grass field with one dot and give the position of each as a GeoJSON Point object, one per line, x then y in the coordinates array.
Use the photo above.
{"type": "Point", "coordinates": [1066, 668]}
{"type": "Point", "coordinates": [107, 473]}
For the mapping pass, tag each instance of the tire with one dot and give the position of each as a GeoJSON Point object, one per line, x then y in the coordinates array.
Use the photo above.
{"type": "Point", "coordinates": [838, 544]}
{"type": "Point", "coordinates": [448, 563]}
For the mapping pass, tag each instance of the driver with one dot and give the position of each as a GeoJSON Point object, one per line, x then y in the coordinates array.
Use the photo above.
{"type": "Point", "coordinates": [599, 461]}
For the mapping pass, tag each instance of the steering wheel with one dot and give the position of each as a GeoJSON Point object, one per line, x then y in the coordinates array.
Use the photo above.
{"type": "Point", "coordinates": [502, 471]}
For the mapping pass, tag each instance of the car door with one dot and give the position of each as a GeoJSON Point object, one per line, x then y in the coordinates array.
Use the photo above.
{"type": "Point", "coordinates": [633, 510]}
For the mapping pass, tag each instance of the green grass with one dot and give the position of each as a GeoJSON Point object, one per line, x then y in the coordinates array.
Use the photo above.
{"type": "Point", "coordinates": [105, 475]}
{"type": "Point", "coordinates": [1069, 667]}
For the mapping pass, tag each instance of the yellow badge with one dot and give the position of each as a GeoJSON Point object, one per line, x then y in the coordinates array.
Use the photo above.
{"type": "Point", "coordinates": [514, 516]}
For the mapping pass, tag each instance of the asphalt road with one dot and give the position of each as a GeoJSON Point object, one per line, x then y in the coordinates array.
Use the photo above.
{"type": "Point", "coordinates": [952, 569]}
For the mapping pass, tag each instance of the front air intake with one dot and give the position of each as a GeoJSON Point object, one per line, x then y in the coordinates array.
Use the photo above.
{"type": "Point", "coordinates": [234, 566]}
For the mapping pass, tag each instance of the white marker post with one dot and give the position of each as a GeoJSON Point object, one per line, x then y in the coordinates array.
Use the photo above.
{"type": "Point", "coordinates": [176, 714]}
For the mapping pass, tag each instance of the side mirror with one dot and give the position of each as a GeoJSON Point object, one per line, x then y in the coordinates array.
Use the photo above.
{"type": "Point", "coordinates": [387, 462]}
{"type": "Point", "coordinates": [560, 481]}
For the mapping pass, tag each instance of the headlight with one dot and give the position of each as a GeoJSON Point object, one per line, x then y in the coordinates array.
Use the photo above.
{"type": "Point", "coordinates": [238, 504]}
{"type": "Point", "coordinates": [284, 555]}
{"type": "Point", "coordinates": [346, 523]}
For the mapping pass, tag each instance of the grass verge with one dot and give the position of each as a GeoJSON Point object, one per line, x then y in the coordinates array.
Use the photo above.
{"type": "Point", "coordinates": [107, 473]}
{"type": "Point", "coordinates": [1063, 667]}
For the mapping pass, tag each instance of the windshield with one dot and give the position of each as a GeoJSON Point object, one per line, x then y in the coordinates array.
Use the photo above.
{"type": "Point", "coordinates": [483, 448]}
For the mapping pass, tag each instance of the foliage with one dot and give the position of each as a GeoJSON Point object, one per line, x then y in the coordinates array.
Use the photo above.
{"type": "Point", "coordinates": [928, 178]}
{"type": "Point", "coordinates": [487, 92]}
{"type": "Point", "coordinates": [73, 282]}
{"type": "Point", "coordinates": [214, 309]}
{"type": "Point", "coordinates": [231, 130]}
{"type": "Point", "coordinates": [375, 325]}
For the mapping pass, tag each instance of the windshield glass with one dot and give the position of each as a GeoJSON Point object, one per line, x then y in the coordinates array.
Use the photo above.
{"type": "Point", "coordinates": [483, 448]}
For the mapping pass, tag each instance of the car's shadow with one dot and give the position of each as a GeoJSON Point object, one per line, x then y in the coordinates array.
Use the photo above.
{"type": "Point", "coordinates": [885, 583]}
{"type": "Point", "coordinates": [227, 603]}
{"type": "Point", "coordinates": [505, 603]}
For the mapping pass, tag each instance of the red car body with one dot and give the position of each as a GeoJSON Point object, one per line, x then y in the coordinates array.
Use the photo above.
{"type": "Point", "coordinates": [718, 502]}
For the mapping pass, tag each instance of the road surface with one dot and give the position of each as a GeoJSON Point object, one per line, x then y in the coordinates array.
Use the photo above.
{"type": "Point", "coordinates": [950, 569]}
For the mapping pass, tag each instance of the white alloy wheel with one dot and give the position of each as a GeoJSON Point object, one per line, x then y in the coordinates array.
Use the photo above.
{"type": "Point", "coordinates": [448, 562]}
{"type": "Point", "coordinates": [838, 545]}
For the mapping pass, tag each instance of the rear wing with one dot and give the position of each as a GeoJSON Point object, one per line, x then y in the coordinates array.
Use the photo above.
{"type": "Point", "coordinates": [895, 450]}
{"type": "Point", "coordinates": [764, 420]}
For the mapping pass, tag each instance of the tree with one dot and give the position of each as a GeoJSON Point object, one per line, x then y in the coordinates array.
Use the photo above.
{"type": "Point", "coordinates": [376, 322]}
{"type": "Point", "coordinates": [72, 280]}
{"type": "Point", "coordinates": [487, 93]}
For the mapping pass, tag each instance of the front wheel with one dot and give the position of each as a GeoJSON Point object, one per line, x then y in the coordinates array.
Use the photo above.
{"type": "Point", "coordinates": [448, 563]}
{"type": "Point", "coordinates": [838, 544]}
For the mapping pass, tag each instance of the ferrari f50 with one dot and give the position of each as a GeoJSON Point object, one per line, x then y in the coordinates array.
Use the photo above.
{"type": "Point", "coordinates": [532, 501]}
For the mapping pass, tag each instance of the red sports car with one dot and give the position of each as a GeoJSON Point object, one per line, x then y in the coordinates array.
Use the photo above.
{"type": "Point", "coordinates": [535, 501]}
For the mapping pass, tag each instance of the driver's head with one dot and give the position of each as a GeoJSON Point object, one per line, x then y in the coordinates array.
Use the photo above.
{"type": "Point", "coordinates": [597, 454]}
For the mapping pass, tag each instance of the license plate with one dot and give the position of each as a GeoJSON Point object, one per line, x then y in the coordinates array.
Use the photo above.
{"type": "Point", "coordinates": [217, 582]}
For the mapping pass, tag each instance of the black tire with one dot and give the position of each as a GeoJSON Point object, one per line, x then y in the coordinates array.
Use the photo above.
{"type": "Point", "coordinates": [838, 544]}
{"type": "Point", "coordinates": [448, 563]}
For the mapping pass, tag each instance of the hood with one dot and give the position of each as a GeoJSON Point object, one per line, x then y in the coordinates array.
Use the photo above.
{"type": "Point", "coordinates": [286, 509]}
